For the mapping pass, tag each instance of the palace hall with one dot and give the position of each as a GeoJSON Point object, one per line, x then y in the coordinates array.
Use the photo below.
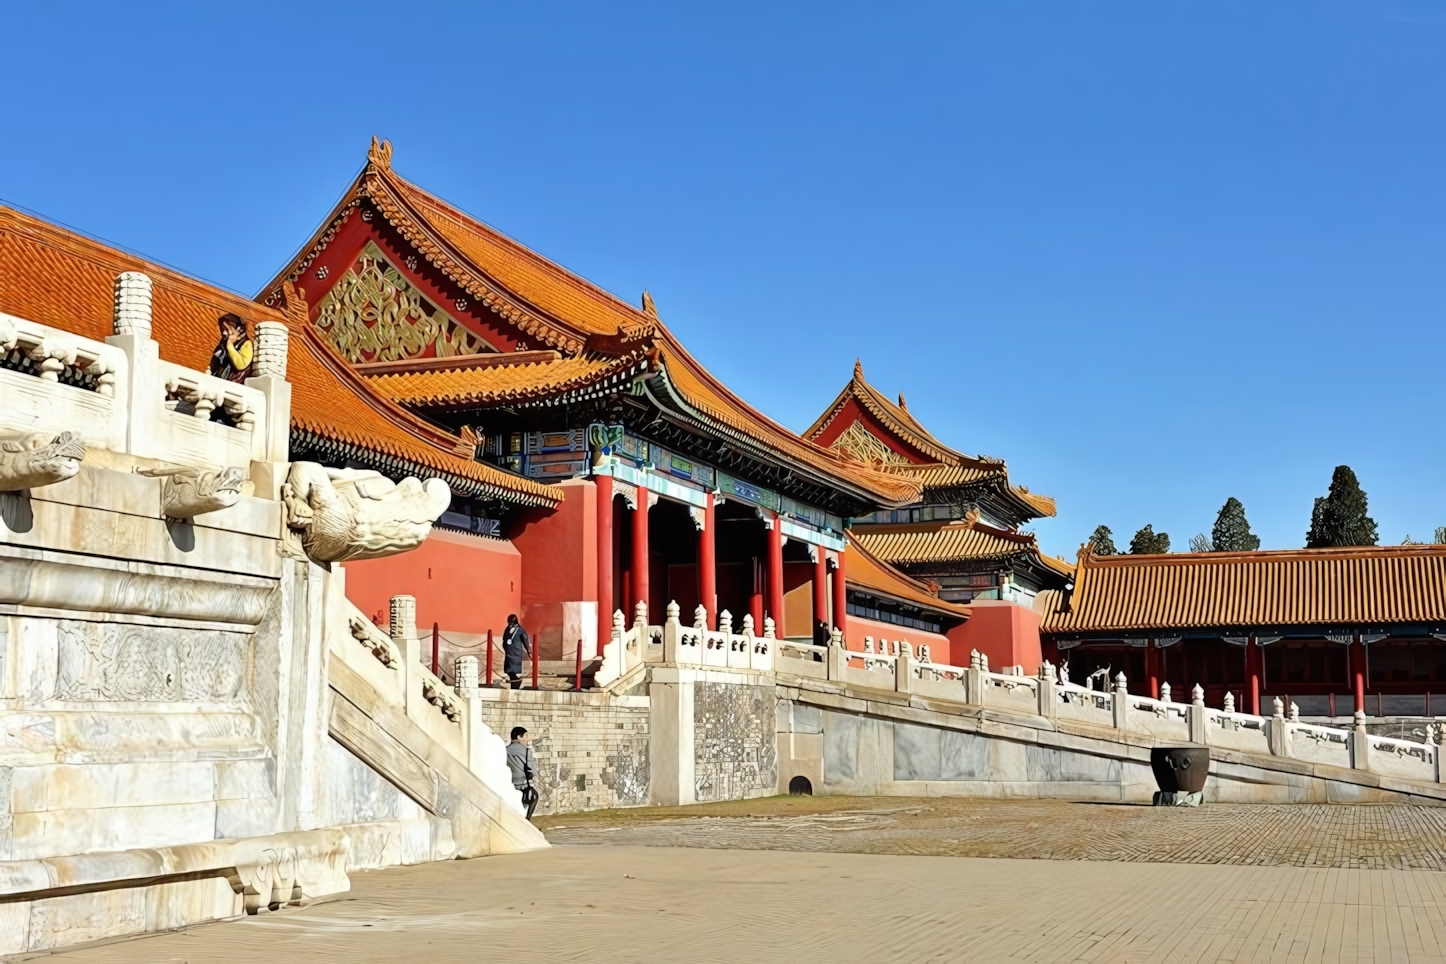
{"type": "Point", "coordinates": [663, 486]}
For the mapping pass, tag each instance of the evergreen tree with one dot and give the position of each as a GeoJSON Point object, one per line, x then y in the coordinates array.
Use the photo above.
{"type": "Point", "coordinates": [1440, 535]}
{"type": "Point", "coordinates": [1339, 518]}
{"type": "Point", "coordinates": [1149, 542]}
{"type": "Point", "coordinates": [1232, 531]}
{"type": "Point", "coordinates": [1103, 541]}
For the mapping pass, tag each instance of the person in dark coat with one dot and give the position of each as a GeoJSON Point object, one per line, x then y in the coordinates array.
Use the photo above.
{"type": "Point", "coordinates": [516, 646]}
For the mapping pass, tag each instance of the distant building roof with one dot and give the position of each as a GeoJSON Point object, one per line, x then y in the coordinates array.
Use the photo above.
{"type": "Point", "coordinates": [866, 571]}
{"type": "Point", "coordinates": [900, 445]}
{"type": "Point", "coordinates": [1356, 586]}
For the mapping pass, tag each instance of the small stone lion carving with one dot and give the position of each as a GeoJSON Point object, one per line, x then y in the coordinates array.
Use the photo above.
{"type": "Point", "coordinates": [35, 460]}
{"type": "Point", "coordinates": [346, 514]}
{"type": "Point", "coordinates": [189, 492]}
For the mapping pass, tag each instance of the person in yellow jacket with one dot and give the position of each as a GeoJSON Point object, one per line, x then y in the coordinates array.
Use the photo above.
{"type": "Point", "coordinates": [234, 352]}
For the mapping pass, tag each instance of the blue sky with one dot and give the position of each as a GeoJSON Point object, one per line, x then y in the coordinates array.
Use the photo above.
{"type": "Point", "coordinates": [1152, 254]}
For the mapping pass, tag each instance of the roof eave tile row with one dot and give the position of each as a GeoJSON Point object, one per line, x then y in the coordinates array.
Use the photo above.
{"type": "Point", "coordinates": [1299, 587]}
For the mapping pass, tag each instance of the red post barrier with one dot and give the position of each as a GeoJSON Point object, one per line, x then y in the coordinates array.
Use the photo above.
{"type": "Point", "coordinates": [436, 652]}
{"type": "Point", "coordinates": [533, 647]}
{"type": "Point", "coordinates": [489, 659]}
{"type": "Point", "coordinates": [577, 682]}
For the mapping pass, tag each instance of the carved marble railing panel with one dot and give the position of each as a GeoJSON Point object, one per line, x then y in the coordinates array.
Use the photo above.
{"type": "Point", "coordinates": [440, 695]}
{"type": "Point", "coordinates": [1162, 719]}
{"type": "Point", "coordinates": [940, 671]}
{"type": "Point", "coordinates": [941, 681]}
{"type": "Point", "coordinates": [1011, 692]}
{"type": "Point", "coordinates": [1319, 744]}
{"type": "Point", "coordinates": [1237, 731]}
{"type": "Point", "coordinates": [1405, 759]}
{"type": "Point", "coordinates": [185, 431]}
{"type": "Point", "coordinates": [1084, 705]}
{"type": "Point", "coordinates": [378, 643]}
{"type": "Point", "coordinates": [629, 647]}
{"type": "Point", "coordinates": [52, 382]}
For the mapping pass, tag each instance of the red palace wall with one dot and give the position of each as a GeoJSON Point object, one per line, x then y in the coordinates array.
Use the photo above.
{"type": "Point", "coordinates": [1007, 633]}
{"type": "Point", "coordinates": [559, 572]}
{"type": "Point", "coordinates": [465, 583]}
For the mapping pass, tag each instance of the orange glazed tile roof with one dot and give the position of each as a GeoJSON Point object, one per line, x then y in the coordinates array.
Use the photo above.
{"type": "Point", "coordinates": [62, 279]}
{"type": "Point", "coordinates": [932, 542]}
{"type": "Point", "coordinates": [949, 468]}
{"type": "Point", "coordinates": [872, 574]}
{"type": "Point", "coordinates": [712, 398]}
{"type": "Point", "coordinates": [1365, 585]}
{"type": "Point", "coordinates": [500, 384]}
{"type": "Point", "coordinates": [565, 312]}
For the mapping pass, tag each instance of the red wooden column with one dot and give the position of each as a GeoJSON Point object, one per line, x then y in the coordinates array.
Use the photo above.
{"type": "Point", "coordinates": [639, 568]}
{"type": "Point", "coordinates": [604, 560]}
{"type": "Point", "coordinates": [775, 575]}
{"type": "Point", "coordinates": [755, 598]}
{"type": "Point", "coordinates": [708, 565]}
{"type": "Point", "coordinates": [1252, 673]}
{"type": "Point", "coordinates": [820, 586]}
{"type": "Point", "coordinates": [1358, 672]}
{"type": "Point", "coordinates": [1152, 668]}
{"type": "Point", "coordinates": [840, 594]}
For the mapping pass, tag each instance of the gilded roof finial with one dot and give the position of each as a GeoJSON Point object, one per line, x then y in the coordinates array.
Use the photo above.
{"type": "Point", "coordinates": [380, 153]}
{"type": "Point", "coordinates": [903, 404]}
{"type": "Point", "coordinates": [858, 370]}
{"type": "Point", "coordinates": [649, 309]}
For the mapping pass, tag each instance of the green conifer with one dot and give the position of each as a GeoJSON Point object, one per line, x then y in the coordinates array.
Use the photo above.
{"type": "Point", "coordinates": [1149, 542]}
{"type": "Point", "coordinates": [1232, 531]}
{"type": "Point", "coordinates": [1103, 542]}
{"type": "Point", "coordinates": [1339, 518]}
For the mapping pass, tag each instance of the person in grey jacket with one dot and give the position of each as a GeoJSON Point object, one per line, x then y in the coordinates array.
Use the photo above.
{"type": "Point", "coordinates": [523, 764]}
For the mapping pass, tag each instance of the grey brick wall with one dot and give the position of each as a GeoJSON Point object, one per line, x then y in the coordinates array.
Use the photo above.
{"type": "Point", "coordinates": [592, 750]}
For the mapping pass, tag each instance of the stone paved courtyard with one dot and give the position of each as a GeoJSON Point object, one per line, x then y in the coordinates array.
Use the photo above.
{"type": "Point", "coordinates": [845, 880]}
{"type": "Point", "coordinates": [1378, 836]}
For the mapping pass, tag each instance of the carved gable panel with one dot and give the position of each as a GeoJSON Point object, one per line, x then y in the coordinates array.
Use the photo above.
{"type": "Point", "coordinates": [118, 662]}
{"type": "Point", "coordinates": [373, 313]}
{"type": "Point", "coordinates": [863, 445]}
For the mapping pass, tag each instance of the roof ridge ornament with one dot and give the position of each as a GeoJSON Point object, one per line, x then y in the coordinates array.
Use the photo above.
{"type": "Point", "coordinates": [858, 369]}
{"type": "Point", "coordinates": [649, 309]}
{"type": "Point", "coordinates": [380, 153]}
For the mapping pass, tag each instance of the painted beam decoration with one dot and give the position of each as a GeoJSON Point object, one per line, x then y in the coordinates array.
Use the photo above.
{"type": "Point", "coordinates": [637, 461]}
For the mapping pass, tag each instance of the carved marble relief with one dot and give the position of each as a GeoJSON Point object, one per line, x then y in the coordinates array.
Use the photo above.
{"type": "Point", "coordinates": [373, 314]}
{"type": "Point", "coordinates": [863, 445]}
{"type": "Point", "coordinates": [117, 662]}
{"type": "Point", "coordinates": [735, 750]}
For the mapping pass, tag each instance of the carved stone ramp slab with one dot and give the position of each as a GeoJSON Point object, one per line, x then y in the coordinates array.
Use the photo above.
{"type": "Point", "coordinates": [381, 736]}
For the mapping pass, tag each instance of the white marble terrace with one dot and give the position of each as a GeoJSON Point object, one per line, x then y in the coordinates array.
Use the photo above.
{"type": "Point", "coordinates": [194, 721]}
{"type": "Point", "coordinates": [893, 667]}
